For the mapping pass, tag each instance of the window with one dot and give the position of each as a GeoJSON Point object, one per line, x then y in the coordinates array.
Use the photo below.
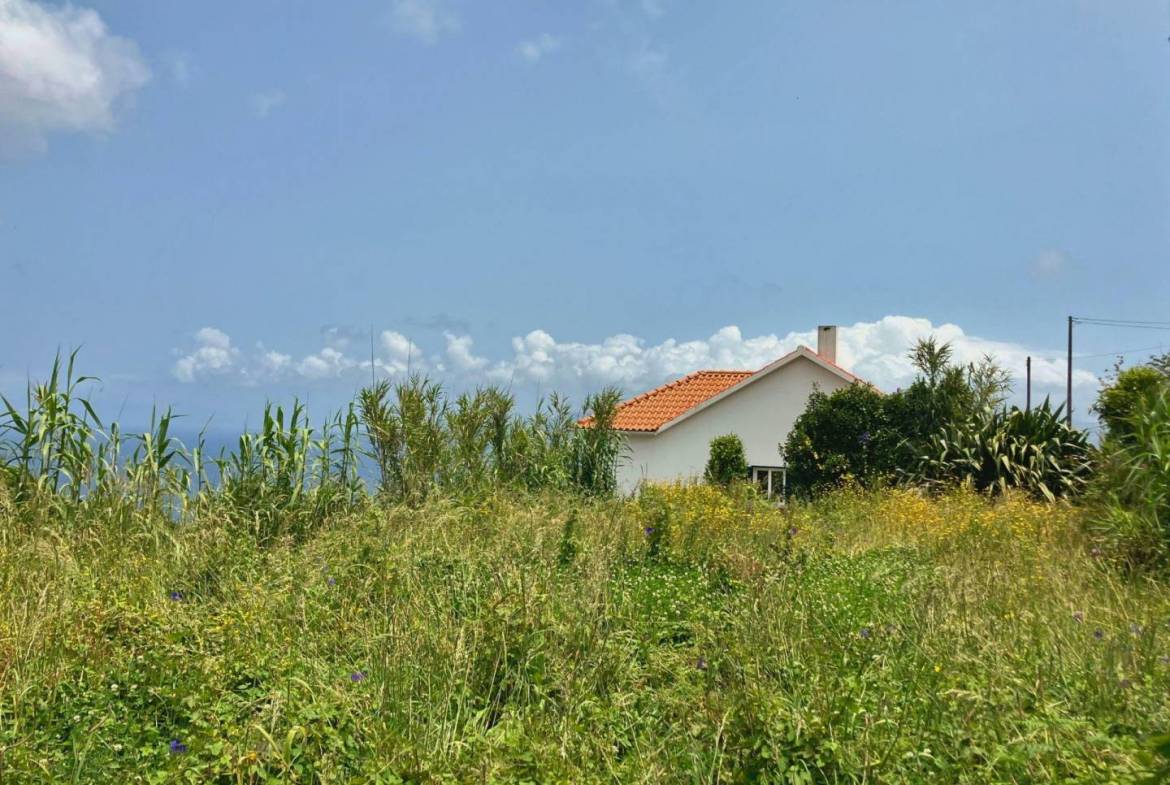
{"type": "Point", "coordinates": [771, 480]}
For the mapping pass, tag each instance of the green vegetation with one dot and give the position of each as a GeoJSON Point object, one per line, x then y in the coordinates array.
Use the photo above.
{"type": "Point", "coordinates": [846, 436]}
{"type": "Point", "coordinates": [1120, 401]}
{"type": "Point", "coordinates": [1133, 486]}
{"type": "Point", "coordinates": [490, 613]}
{"type": "Point", "coordinates": [858, 434]}
{"type": "Point", "coordinates": [726, 462]}
{"type": "Point", "coordinates": [881, 637]}
{"type": "Point", "coordinates": [1002, 449]}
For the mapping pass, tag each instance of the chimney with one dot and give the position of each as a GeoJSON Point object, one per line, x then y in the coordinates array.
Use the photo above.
{"type": "Point", "coordinates": [827, 342]}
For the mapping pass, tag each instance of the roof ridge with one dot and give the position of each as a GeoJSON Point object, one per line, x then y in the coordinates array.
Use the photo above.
{"type": "Point", "coordinates": [663, 387]}
{"type": "Point", "coordinates": [677, 399]}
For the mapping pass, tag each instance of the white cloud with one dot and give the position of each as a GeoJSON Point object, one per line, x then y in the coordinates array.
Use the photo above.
{"type": "Point", "coordinates": [461, 354]}
{"type": "Point", "coordinates": [1050, 264]}
{"type": "Point", "coordinates": [274, 363]}
{"type": "Point", "coordinates": [265, 102]}
{"type": "Point", "coordinates": [534, 49]}
{"type": "Point", "coordinates": [424, 20]}
{"type": "Point", "coordinates": [213, 355]}
{"type": "Point", "coordinates": [328, 362]}
{"type": "Point", "coordinates": [61, 70]}
{"type": "Point", "coordinates": [876, 351]}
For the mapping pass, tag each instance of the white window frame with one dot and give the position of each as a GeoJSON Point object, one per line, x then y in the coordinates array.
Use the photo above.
{"type": "Point", "coordinates": [777, 481]}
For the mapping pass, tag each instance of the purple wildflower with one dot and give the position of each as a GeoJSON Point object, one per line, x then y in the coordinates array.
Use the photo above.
{"type": "Point", "coordinates": [177, 747]}
{"type": "Point", "coordinates": [177, 596]}
{"type": "Point", "coordinates": [865, 632]}
{"type": "Point", "coordinates": [331, 581]}
{"type": "Point", "coordinates": [649, 530]}
{"type": "Point", "coordinates": [865, 437]}
{"type": "Point", "coordinates": [1098, 634]}
{"type": "Point", "coordinates": [357, 676]}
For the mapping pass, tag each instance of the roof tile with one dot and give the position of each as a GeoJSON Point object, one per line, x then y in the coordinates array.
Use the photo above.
{"type": "Point", "coordinates": [651, 410]}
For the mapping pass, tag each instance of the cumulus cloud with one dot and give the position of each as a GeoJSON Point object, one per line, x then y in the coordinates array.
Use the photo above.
{"type": "Point", "coordinates": [423, 20]}
{"type": "Point", "coordinates": [61, 70]}
{"type": "Point", "coordinates": [264, 103]}
{"type": "Point", "coordinates": [328, 362]}
{"type": "Point", "coordinates": [462, 355]}
{"type": "Point", "coordinates": [876, 351]}
{"type": "Point", "coordinates": [534, 49]}
{"type": "Point", "coordinates": [213, 355]}
{"type": "Point", "coordinates": [274, 363]}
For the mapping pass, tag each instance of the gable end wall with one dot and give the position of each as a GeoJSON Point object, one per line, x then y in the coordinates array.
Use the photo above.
{"type": "Point", "coordinates": [761, 414]}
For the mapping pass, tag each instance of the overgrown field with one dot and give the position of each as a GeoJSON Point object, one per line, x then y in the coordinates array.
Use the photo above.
{"type": "Point", "coordinates": [691, 636]}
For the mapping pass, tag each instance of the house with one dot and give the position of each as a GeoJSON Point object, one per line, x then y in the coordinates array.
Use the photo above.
{"type": "Point", "coordinates": [669, 429]}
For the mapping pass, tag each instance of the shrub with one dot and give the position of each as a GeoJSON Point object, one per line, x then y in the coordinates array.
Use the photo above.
{"type": "Point", "coordinates": [726, 462]}
{"type": "Point", "coordinates": [857, 433]}
{"type": "Point", "coordinates": [1119, 401]}
{"type": "Point", "coordinates": [1134, 486]}
{"type": "Point", "coordinates": [842, 435]}
{"type": "Point", "coordinates": [1034, 451]}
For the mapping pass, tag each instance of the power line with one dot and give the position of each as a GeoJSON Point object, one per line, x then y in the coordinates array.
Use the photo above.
{"type": "Point", "coordinates": [1136, 324]}
{"type": "Point", "coordinates": [1132, 324]}
{"type": "Point", "coordinates": [1118, 352]}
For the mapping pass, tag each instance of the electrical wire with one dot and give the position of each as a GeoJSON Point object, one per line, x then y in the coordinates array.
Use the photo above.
{"type": "Point", "coordinates": [1119, 353]}
{"type": "Point", "coordinates": [1134, 323]}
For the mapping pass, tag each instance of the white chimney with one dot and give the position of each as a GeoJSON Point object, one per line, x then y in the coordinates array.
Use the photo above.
{"type": "Point", "coordinates": [827, 342]}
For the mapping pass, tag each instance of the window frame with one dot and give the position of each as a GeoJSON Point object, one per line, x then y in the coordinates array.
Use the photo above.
{"type": "Point", "coordinates": [777, 480]}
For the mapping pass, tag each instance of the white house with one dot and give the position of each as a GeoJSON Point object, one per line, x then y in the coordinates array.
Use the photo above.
{"type": "Point", "coordinates": [669, 429]}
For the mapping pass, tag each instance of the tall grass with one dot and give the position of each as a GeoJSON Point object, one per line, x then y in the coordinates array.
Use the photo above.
{"type": "Point", "coordinates": [1133, 486]}
{"type": "Point", "coordinates": [880, 637]}
{"type": "Point", "coordinates": [423, 443]}
{"type": "Point", "coordinates": [491, 613]}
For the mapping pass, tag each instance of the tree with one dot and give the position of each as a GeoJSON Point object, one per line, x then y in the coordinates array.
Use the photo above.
{"type": "Point", "coordinates": [726, 462]}
{"type": "Point", "coordinates": [845, 434]}
{"type": "Point", "coordinates": [859, 433]}
{"type": "Point", "coordinates": [1117, 402]}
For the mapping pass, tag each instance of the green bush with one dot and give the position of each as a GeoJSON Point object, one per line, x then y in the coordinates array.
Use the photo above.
{"type": "Point", "coordinates": [994, 451]}
{"type": "Point", "coordinates": [845, 434]}
{"type": "Point", "coordinates": [859, 434]}
{"type": "Point", "coordinates": [1119, 401]}
{"type": "Point", "coordinates": [1134, 486]}
{"type": "Point", "coordinates": [726, 462]}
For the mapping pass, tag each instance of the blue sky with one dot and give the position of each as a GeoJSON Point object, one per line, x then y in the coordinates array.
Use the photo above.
{"type": "Point", "coordinates": [222, 202]}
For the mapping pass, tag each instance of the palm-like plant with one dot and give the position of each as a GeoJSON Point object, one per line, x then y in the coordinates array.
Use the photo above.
{"type": "Point", "coordinates": [999, 449]}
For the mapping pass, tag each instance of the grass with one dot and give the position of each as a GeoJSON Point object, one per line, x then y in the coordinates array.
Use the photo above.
{"type": "Point", "coordinates": [689, 637]}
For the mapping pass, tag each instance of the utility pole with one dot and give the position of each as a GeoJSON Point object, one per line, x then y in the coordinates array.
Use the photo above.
{"type": "Point", "coordinates": [1028, 385]}
{"type": "Point", "coordinates": [1068, 379]}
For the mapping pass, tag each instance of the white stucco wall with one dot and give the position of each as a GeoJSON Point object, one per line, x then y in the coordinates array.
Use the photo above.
{"type": "Point", "coordinates": [761, 414]}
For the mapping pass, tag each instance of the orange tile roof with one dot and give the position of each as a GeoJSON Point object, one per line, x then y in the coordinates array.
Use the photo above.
{"type": "Point", "coordinates": [651, 410]}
